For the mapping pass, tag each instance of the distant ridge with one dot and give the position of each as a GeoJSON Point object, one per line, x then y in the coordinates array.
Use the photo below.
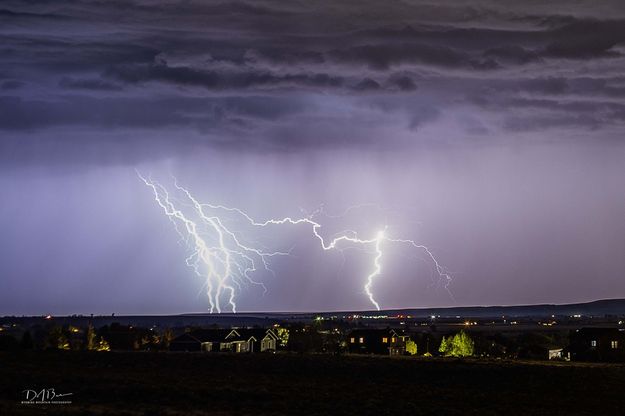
{"type": "Point", "coordinates": [593, 308]}
{"type": "Point", "coordinates": [599, 308]}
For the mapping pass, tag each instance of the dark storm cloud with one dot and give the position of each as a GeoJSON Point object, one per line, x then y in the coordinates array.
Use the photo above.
{"type": "Point", "coordinates": [404, 83]}
{"type": "Point", "coordinates": [9, 14]}
{"type": "Point", "coordinates": [440, 57]}
{"type": "Point", "coordinates": [587, 39]}
{"type": "Point", "coordinates": [367, 84]}
{"type": "Point", "coordinates": [43, 54]}
{"type": "Point", "coordinates": [186, 76]}
{"type": "Point", "coordinates": [382, 57]}
{"type": "Point", "coordinates": [513, 54]}
{"type": "Point", "coordinates": [118, 113]}
{"type": "Point", "coordinates": [88, 84]}
{"type": "Point", "coordinates": [11, 85]}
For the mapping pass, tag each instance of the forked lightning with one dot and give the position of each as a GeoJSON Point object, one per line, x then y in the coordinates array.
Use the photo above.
{"type": "Point", "coordinates": [225, 260]}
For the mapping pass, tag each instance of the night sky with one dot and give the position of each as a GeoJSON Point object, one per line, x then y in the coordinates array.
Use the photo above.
{"type": "Point", "coordinates": [491, 131]}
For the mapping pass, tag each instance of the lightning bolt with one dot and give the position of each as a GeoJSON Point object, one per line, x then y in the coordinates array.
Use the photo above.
{"type": "Point", "coordinates": [224, 260]}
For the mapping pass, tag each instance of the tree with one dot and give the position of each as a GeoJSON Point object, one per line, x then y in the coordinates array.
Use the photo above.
{"type": "Point", "coordinates": [444, 346]}
{"type": "Point", "coordinates": [411, 347]}
{"type": "Point", "coordinates": [57, 339]}
{"type": "Point", "coordinates": [283, 336]}
{"type": "Point", "coordinates": [166, 339]}
{"type": "Point", "coordinates": [304, 339]}
{"type": "Point", "coordinates": [102, 345]}
{"type": "Point", "coordinates": [463, 345]}
{"type": "Point", "coordinates": [145, 342]}
{"type": "Point", "coordinates": [460, 345]}
{"type": "Point", "coordinates": [91, 338]}
{"type": "Point", "coordinates": [63, 343]}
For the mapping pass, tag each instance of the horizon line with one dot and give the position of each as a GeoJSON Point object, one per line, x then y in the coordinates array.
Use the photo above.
{"type": "Point", "coordinates": [318, 312]}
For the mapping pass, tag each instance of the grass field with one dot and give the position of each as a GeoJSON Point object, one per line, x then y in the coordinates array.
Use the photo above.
{"type": "Point", "coordinates": [282, 384]}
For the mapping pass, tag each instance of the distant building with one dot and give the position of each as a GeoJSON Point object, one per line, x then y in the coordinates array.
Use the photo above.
{"type": "Point", "coordinates": [597, 344]}
{"type": "Point", "coordinates": [199, 340]}
{"type": "Point", "coordinates": [258, 339]}
{"type": "Point", "coordinates": [234, 342]}
{"type": "Point", "coordinates": [544, 351]}
{"type": "Point", "coordinates": [226, 340]}
{"type": "Point", "coordinates": [377, 341]}
{"type": "Point", "coordinates": [185, 342]}
{"type": "Point", "coordinates": [558, 354]}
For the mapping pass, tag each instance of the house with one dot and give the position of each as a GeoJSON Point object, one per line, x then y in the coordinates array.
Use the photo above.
{"type": "Point", "coordinates": [377, 341]}
{"type": "Point", "coordinates": [260, 340]}
{"type": "Point", "coordinates": [199, 340]}
{"type": "Point", "coordinates": [558, 354]}
{"type": "Point", "coordinates": [185, 342]}
{"type": "Point", "coordinates": [226, 340]}
{"type": "Point", "coordinates": [543, 351]}
{"type": "Point", "coordinates": [122, 337]}
{"type": "Point", "coordinates": [597, 344]}
{"type": "Point", "coordinates": [233, 342]}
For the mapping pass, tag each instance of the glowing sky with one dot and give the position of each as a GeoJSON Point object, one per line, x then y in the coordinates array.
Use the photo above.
{"type": "Point", "coordinates": [491, 131]}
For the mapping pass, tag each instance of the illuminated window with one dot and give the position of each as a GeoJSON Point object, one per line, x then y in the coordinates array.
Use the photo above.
{"type": "Point", "coordinates": [361, 340]}
{"type": "Point", "coordinates": [352, 340]}
{"type": "Point", "coordinates": [393, 339]}
{"type": "Point", "coordinates": [385, 340]}
{"type": "Point", "coordinates": [614, 344]}
{"type": "Point", "coordinates": [593, 343]}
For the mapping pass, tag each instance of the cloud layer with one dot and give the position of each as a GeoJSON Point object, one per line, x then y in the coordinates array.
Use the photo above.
{"type": "Point", "coordinates": [244, 75]}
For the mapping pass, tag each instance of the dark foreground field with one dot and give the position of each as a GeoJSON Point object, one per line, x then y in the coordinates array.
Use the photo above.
{"type": "Point", "coordinates": [193, 384]}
